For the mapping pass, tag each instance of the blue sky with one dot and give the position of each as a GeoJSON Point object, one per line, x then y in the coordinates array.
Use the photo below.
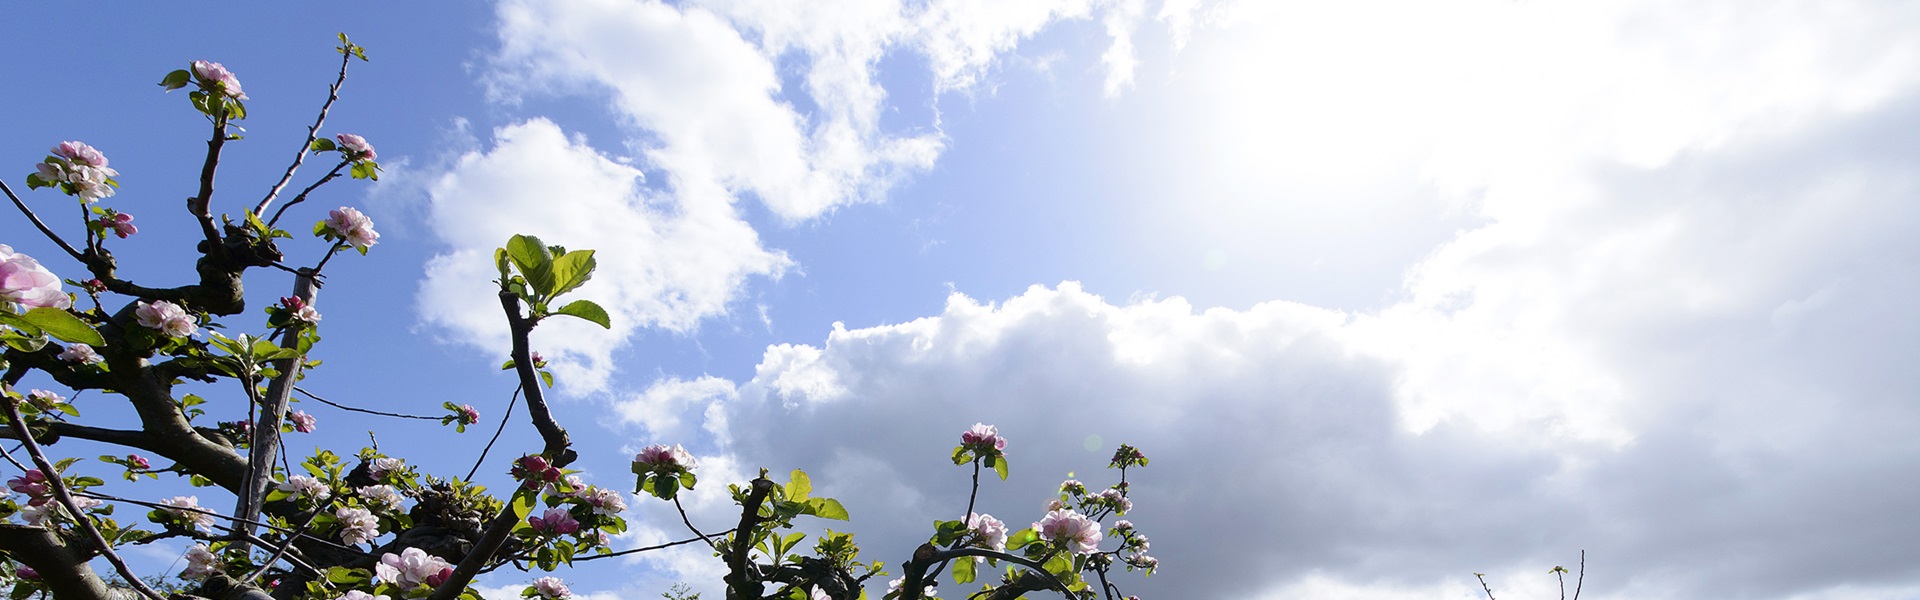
{"type": "Point", "coordinates": [1393, 292]}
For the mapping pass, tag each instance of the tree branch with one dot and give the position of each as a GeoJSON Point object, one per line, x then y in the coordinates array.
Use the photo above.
{"type": "Point", "coordinates": [43, 226]}
{"type": "Point", "coordinates": [59, 488]}
{"type": "Point", "coordinates": [62, 570]}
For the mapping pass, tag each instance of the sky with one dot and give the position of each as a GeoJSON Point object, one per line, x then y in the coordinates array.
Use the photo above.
{"type": "Point", "coordinates": [1391, 292]}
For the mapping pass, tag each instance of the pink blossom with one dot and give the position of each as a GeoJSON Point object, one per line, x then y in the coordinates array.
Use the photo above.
{"type": "Point", "coordinates": [80, 353]}
{"type": "Point", "coordinates": [214, 77]}
{"type": "Point", "coordinates": [303, 486]}
{"type": "Point", "coordinates": [33, 483]}
{"type": "Point", "coordinates": [551, 588]}
{"type": "Point", "coordinates": [661, 459]}
{"type": "Point", "coordinates": [200, 562]}
{"type": "Point", "coordinates": [357, 525]}
{"type": "Point", "coordinates": [355, 147]}
{"type": "Point", "coordinates": [983, 437]}
{"type": "Point", "coordinates": [382, 496]}
{"type": "Point", "coordinates": [138, 462]}
{"type": "Point", "coordinates": [1116, 499]}
{"type": "Point", "coordinates": [534, 472]}
{"type": "Point", "coordinates": [359, 595]}
{"type": "Point", "coordinates": [188, 507]}
{"type": "Point", "coordinates": [894, 586]}
{"type": "Point", "coordinates": [299, 309]}
{"type": "Point", "coordinates": [555, 521]}
{"type": "Point", "coordinates": [1140, 560]}
{"type": "Point", "coordinates": [25, 282]}
{"type": "Point", "coordinates": [26, 572]}
{"type": "Point", "coordinates": [349, 225]}
{"type": "Point", "coordinates": [1080, 534]}
{"type": "Point", "coordinates": [992, 532]}
{"type": "Point", "coordinates": [120, 223]}
{"type": "Point", "coordinates": [302, 422]}
{"type": "Point", "coordinates": [79, 153]}
{"type": "Point", "coordinates": [45, 400]}
{"type": "Point", "coordinates": [411, 568]}
{"type": "Point", "coordinates": [605, 501]}
{"type": "Point", "coordinates": [469, 415]}
{"type": "Point", "coordinates": [165, 317]}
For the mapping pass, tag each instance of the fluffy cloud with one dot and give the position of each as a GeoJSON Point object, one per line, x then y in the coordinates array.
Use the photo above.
{"type": "Point", "coordinates": [665, 261]}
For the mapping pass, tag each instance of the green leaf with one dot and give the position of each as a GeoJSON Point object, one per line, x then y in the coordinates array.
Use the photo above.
{"type": "Point", "coordinates": [1000, 466]}
{"type": "Point", "coordinates": [799, 487]}
{"type": "Point", "coordinates": [348, 577]}
{"type": "Point", "coordinates": [959, 455]}
{"type": "Point", "coordinates": [523, 501]}
{"type": "Point", "coordinates": [175, 80]}
{"type": "Point", "coordinates": [586, 309]}
{"type": "Point", "coordinates": [572, 269]}
{"type": "Point", "coordinates": [1058, 565]}
{"type": "Point", "coordinates": [26, 327]}
{"type": "Point", "coordinates": [322, 145]}
{"type": "Point", "coordinates": [1020, 539]}
{"type": "Point", "coordinates": [535, 263]}
{"type": "Point", "coordinates": [826, 508]}
{"type": "Point", "coordinates": [963, 570]}
{"type": "Point", "coordinates": [64, 326]}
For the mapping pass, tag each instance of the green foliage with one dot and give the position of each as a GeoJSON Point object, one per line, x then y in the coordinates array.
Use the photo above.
{"type": "Point", "coordinates": [539, 274]}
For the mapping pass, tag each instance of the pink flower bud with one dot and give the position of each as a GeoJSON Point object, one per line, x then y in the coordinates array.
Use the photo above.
{"type": "Point", "coordinates": [355, 147]}
{"type": "Point", "coordinates": [215, 78]}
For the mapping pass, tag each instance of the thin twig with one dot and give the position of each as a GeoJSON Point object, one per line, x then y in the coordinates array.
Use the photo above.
{"type": "Point", "coordinates": [43, 226]}
{"type": "Point", "coordinates": [496, 434]}
{"type": "Point", "coordinates": [313, 133]}
{"type": "Point", "coordinates": [646, 549]}
{"type": "Point", "coordinates": [1483, 584]}
{"type": "Point", "coordinates": [340, 406]}
{"type": "Point", "coordinates": [59, 487]}
{"type": "Point", "coordinates": [689, 522]}
{"type": "Point", "coordinates": [203, 511]}
{"type": "Point", "coordinates": [302, 197]}
{"type": "Point", "coordinates": [284, 545]}
{"type": "Point", "coordinates": [1582, 580]}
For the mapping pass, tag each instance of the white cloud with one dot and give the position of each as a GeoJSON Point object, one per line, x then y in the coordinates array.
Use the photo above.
{"type": "Point", "coordinates": [664, 261]}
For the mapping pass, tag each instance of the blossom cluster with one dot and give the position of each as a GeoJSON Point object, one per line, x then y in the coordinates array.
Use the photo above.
{"type": "Point", "coordinates": [982, 438]}
{"type": "Point", "coordinates": [77, 169]}
{"type": "Point", "coordinates": [348, 225]}
{"type": "Point", "coordinates": [80, 353]}
{"type": "Point", "coordinates": [534, 472]}
{"type": "Point", "coordinates": [413, 568]}
{"type": "Point", "coordinates": [659, 458]}
{"type": "Point", "coordinates": [1078, 533]}
{"type": "Point", "coordinates": [216, 79]}
{"type": "Point", "coordinates": [187, 509]}
{"type": "Point", "coordinates": [165, 317]}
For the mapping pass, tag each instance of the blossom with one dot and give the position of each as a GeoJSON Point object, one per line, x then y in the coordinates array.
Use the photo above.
{"type": "Point", "coordinates": [355, 147]}
{"type": "Point", "coordinates": [359, 595]}
{"type": "Point", "coordinates": [299, 309]}
{"type": "Point", "coordinates": [36, 514]}
{"type": "Point", "coordinates": [200, 562]}
{"type": "Point", "coordinates": [44, 399]}
{"type": "Point", "coordinates": [469, 415]}
{"type": "Point", "coordinates": [1056, 504]}
{"type": "Point", "coordinates": [1116, 499]}
{"type": "Point", "coordinates": [80, 353]}
{"type": "Point", "coordinates": [1142, 561]}
{"type": "Point", "coordinates": [188, 507]}
{"type": "Point", "coordinates": [662, 459]}
{"type": "Point", "coordinates": [534, 472]}
{"type": "Point", "coordinates": [165, 317]}
{"type": "Point", "coordinates": [33, 483]}
{"type": "Point", "coordinates": [411, 568]}
{"type": "Point", "coordinates": [26, 572]}
{"type": "Point", "coordinates": [381, 467]}
{"type": "Point", "coordinates": [556, 521]}
{"type": "Point", "coordinates": [357, 525]}
{"type": "Point", "coordinates": [349, 225]}
{"type": "Point", "coordinates": [383, 496]}
{"type": "Point", "coordinates": [83, 169]}
{"type": "Point", "coordinates": [1073, 486]}
{"type": "Point", "coordinates": [303, 486]}
{"type": "Point", "coordinates": [604, 501]}
{"type": "Point", "coordinates": [135, 461]}
{"type": "Point", "coordinates": [983, 437]}
{"type": "Point", "coordinates": [815, 593]}
{"type": "Point", "coordinates": [121, 224]}
{"type": "Point", "coordinates": [1123, 524]}
{"type": "Point", "coordinates": [992, 532]}
{"type": "Point", "coordinates": [302, 422]}
{"type": "Point", "coordinates": [551, 588]}
{"type": "Point", "coordinates": [1079, 533]}
{"type": "Point", "coordinates": [214, 77]}
{"type": "Point", "coordinates": [25, 282]}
